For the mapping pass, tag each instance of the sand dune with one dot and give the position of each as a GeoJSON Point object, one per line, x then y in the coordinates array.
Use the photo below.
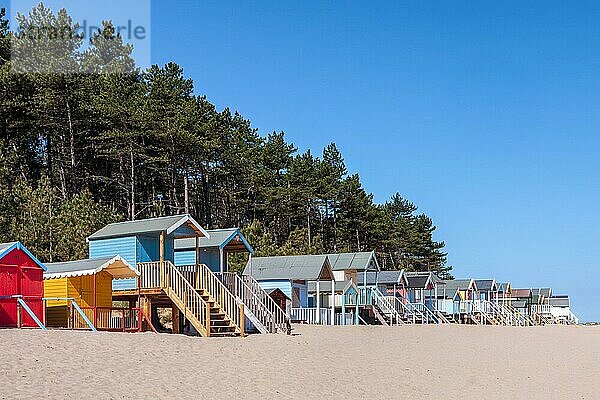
{"type": "Point", "coordinates": [410, 362]}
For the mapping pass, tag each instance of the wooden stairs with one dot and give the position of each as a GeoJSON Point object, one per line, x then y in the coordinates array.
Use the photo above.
{"type": "Point", "coordinates": [198, 303]}
{"type": "Point", "coordinates": [220, 323]}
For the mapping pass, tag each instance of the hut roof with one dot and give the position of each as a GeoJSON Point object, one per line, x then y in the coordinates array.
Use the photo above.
{"type": "Point", "coordinates": [272, 291]}
{"type": "Point", "coordinates": [360, 261]}
{"type": "Point", "coordinates": [455, 285]}
{"type": "Point", "coordinates": [486, 284]}
{"type": "Point", "coordinates": [230, 238]}
{"type": "Point", "coordinates": [6, 248]}
{"type": "Point", "coordinates": [504, 287]}
{"type": "Point", "coordinates": [116, 266]}
{"type": "Point", "coordinates": [307, 268]}
{"type": "Point", "coordinates": [559, 301]}
{"type": "Point", "coordinates": [325, 286]}
{"type": "Point", "coordinates": [421, 280]}
{"type": "Point", "coordinates": [179, 226]}
{"type": "Point", "coordinates": [383, 277]}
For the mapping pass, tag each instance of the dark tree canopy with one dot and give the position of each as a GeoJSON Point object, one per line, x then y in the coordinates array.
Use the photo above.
{"type": "Point", "coordinates": [110, 142]}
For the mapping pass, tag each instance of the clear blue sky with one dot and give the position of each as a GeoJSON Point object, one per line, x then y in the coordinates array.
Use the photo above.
{"type": "Point", "coordinates": [484, 114]}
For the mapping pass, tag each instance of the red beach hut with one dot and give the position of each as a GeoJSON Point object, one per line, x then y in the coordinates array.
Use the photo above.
{"type": "Point", "coordinates": [21, 286]}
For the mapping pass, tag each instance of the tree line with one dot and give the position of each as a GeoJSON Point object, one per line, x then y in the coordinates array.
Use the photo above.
{"type": "Point", "coordinates": [88, 138]}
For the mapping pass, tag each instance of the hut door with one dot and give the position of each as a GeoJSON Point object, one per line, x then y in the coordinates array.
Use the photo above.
{"type": "Point", "coordinates": [32, 289]}
{"type": "Point", "coordinates": [9, 286]}
{"type": "Point", "coordinates": [296, 297]}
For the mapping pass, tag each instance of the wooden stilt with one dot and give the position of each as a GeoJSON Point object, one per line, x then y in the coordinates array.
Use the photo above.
{"type": "Point", "coordinates": [175, 318]}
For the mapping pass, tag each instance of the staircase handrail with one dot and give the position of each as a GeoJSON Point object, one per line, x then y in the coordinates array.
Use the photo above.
{"type": "Point", "coordinates": [254, 306]}
{"type": "Point", "coordinates": [524, 317]}
{"type": "Point", "coordinates": [496, 312]}
{"type": "Point", "coordinates": [425, 312]}
{"type": "Point", "coordinates": [157, 274]}
{"type": "Point", "coordinates": [221, 295]}
{"type": "Point", "coordinates": [400, 308]}
{"type": "Point", "coordinates": [385, 306]}
{"type": "Point", "coordinates": [281, 319]}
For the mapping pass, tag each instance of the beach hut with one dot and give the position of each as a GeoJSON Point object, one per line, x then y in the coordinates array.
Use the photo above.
{"type": "Point", "coordinates": [347, 305]}
{"type": "Point", "coordinates": [540, 296]}
{"type": "Point", "coordinates": [487, 289]}
{"type": "Point", "coordinates": [459, 295]}
{"type": "Point", "coordinates": [141, 241]}
{"type": "Point", "coordinates": [504, 292]}
{"type": "Point", "coordinates": [214, 249]}
{"type": "Point", "coordinates": [560, 308]}
{"type": "Point", "coordinates": [521, 299]}
{"type": "Point", "coordinates": [281, 299]}
{"type": "Point", "coordinates": [88, 283]}
{"type": "Point", "coordinates": [390, 283]}
{"type": "Point", "coordinates": [424, 287]}
{"type": "Point", "coordinates": [199, 301]}
{"type": "Point", "coordinates": [21, 287]}
{"type": "Point", "coordinates": [291, 274]}
{"type": "Point", "coordinates": [346, 266]}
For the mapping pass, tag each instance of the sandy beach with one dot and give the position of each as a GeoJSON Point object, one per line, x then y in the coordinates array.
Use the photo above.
{"type": "Point", "coordinates": [409, 362]}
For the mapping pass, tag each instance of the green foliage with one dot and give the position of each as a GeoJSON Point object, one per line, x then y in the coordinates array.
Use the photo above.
{"type": "Point", "coordinates": [54, 230]}
{"type": "Point", "coordinates": [79, 150]}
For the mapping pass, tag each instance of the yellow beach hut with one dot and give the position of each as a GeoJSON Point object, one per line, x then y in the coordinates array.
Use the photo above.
{"type": "Point", "coordinates": [88, 283]}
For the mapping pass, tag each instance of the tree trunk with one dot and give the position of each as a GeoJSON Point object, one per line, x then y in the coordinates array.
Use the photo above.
{"type": "Point", "coordinates": [132, 188]}
{"type": "Point", "coordinates": [186, 195]}
{"type": "Point", "coordinates": [71, 148]}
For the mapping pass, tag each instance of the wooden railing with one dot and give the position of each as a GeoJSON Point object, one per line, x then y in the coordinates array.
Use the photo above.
{"type": "Point", "coordinates": [309, 315]}
{"type": "Point", "coordinates": [541, 309]}
{"type": "Point", "coordinates": [74, 311]}
{"type": "Point", "coordinates": [522, 319]}
{"type": "Point", "coordinates": [164, 275]}
{"type": "Point", "coordinates": [257, 301]}
{"type": "Point", "coordinates": [229, 304]}
{"type": "Point", "coordinates": [466, 307]}
{"type": "Point", "coordinates": [401, 309]}
{"type": "Point", "coordinates": [501, 313]}
{"type": "Point", "coordinates": [112, 319]}
{"type": "Point", "coordinates": [373, 296]}
{"type": "Point", "coordinates": [427, 315]}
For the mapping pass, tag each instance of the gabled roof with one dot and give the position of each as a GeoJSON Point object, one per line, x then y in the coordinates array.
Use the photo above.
{"type": "Point", "coordinates": [230, 238]}
{"type": "Point", "coordinates": [359, 261]}
{"type": "Point", "coordinates": [179, 226]}
{"type": "Point", "coordinates": [486, 285]}
{"type": "Point", "coordinates": [455, 285]}
{"type": "Point", "coordinates": [6, 248]}
{"type": "Point", "coordinates": [382, 277]}
{"type": "Point", "coordinates": [272, 291]}
{"type": "Point", "coordinates": [307, 268]}
{"type": "Point", "coordinates": [116, 266]}
{"type": "Point", "coordinates": [422, 280]}
{"type": "Point", "coordinates": [504, 287]}
{"type": "Point", "coordinates": [325, 287]}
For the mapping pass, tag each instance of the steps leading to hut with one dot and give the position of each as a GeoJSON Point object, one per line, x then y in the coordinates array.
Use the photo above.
{"type": "Point", "coordinates": [198, 306]}
{"type": "Point", "coordinates": [220, 323]}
